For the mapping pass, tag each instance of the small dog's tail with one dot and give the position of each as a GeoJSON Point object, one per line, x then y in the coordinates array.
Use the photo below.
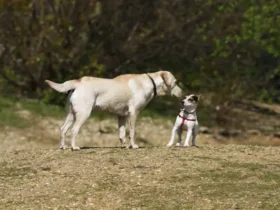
{"type": "Point", "coordinates": [63, 87]}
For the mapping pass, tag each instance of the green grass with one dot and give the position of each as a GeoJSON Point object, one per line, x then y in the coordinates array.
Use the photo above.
{"type": "Point", "coordinates": [160, 108]}
{"type": "Point", "coordinates": [10, 107]}
{"type": "Point", "coordinates": [271, 177]}
{"type": "Point", "coordinates": [35, 106]}
{"type": "Point", "coordinates": [10, 118]}
{"type": "Point", "coordinates": [43, 109]}
{"type": "Point", "coordinates": [8, 171]}
{"type": "Point", "coordinates": [250, 166]}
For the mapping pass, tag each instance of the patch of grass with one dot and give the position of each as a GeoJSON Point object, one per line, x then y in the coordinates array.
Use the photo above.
{"type": "Point", "coordinates": [269, 205]}
{"type": "Point", "coordinates": [154, 197]}
{"type": "Point", "coordinates": [10, 108]}
{"type": "Point", "coordinates": [35, 106]}
{"type": "Point", "coordinates": [11, 203]}
{"type": "Point", "coordinates": [8, 115]}
{"type": "Point", "coordinates": [223, 189]}
{"type": "Point", "coordinates": [12, 119]}
{"type": "Point", "coordinates": [42, 109]}
{"type": "Point", "coordinates": [221, 175]}
{"type": "Point", "coordinates": [250, 166]}
{"type": "Point", "coordinates": [8, 171]}
{"type": "Point", "coordinates": [114, 178]}
{"type": "Point", "coordinates": [207, 158]}
{"type": "Point", "coordinates": [271, 177]}
{"type": "Point", "coordinates": [163, 108]}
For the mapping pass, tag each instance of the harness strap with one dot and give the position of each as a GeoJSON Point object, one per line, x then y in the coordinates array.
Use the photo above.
{"type": "Point", "coordinates": [184, 118]}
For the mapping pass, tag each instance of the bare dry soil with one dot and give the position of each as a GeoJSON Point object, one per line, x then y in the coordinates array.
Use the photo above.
{"type": "Point", "coordinates": [207, 177]}
{"type": "Point", "coordinates": [219, 174]}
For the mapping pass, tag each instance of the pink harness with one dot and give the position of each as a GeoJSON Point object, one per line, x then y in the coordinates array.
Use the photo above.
{"type": "Point", "coordinates": [184, 118]}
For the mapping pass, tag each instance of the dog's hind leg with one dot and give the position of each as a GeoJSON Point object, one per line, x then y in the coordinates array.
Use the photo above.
{"type": "Point", "coordinates": [122, 131]}
{"type": "Point", "coordinates": [195, 130]}
{"type": "Point", "coordinates": [81, 107]}
{"type": "Point", "coordinates": [179, 132]}
{"type": "Point", "coordinates": [80, 118]}
{"type": "Point", "coordinates": [67, 124]}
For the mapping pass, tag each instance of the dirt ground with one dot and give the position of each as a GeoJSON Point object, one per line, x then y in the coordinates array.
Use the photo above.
{"type": "Point", "coordinates": [208, 177]}
{"type": "Point", "coordinates": [219, 174]}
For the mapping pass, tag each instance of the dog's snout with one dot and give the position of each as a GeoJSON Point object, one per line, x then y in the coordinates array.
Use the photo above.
{"type": "Point", "coordinates": [182, 102]}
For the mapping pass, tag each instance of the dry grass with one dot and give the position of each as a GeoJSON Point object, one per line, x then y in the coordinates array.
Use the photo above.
{"type": "Point", "coordinates": [220, 174]}
{"type": "Point", "coordinates": [208, 177]}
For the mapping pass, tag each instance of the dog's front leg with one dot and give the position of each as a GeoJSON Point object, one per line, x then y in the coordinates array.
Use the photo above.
{"type": "Point", "coordinates": [122, 131]}
{"type": "Point", "coordinates": [172, 138]}
{"type": "Point", "coordinates": [189, 133]}
{"type": "Point", "coordinates": [179, 132]}
{"type": "Point", "coordinates": [132, 122]}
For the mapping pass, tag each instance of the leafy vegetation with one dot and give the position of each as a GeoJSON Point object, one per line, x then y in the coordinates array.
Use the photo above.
{"type": "Point", "coordinates": [229, 48]}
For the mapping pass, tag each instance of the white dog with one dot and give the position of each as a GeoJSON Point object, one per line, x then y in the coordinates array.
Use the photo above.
{"type": "Point", "coordinates": [186, 120]}
{"type": "Point", "coordinates": [124, 96]}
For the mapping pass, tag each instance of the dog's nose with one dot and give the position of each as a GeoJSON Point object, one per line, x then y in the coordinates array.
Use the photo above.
{"type": "Point", "coordinates": [182, 102]}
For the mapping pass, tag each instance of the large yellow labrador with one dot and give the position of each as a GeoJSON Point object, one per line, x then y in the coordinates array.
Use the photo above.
{"type": "Point", "coordinates": [124, 95]}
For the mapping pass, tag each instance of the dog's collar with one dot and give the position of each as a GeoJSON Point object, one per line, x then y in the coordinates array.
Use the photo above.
{"type": "Point", "coordinates": [154, 85]}
{"type": "Point", "coordinates": [185, 111]}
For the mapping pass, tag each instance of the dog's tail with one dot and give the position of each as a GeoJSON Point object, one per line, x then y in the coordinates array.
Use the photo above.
{"type": "Point", "coordinates": [63, 87]}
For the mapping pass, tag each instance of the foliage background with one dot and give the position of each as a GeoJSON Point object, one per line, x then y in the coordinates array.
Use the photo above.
{"type": "Point", "coordinates": [229, 49]}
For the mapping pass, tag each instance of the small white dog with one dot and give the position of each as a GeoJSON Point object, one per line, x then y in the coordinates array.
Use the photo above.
{"type": "Point", "coordinates": [186, 120]}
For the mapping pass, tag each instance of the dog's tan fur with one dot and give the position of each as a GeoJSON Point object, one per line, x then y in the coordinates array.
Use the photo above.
{"type": "Point", "coordinates": [124, 96]}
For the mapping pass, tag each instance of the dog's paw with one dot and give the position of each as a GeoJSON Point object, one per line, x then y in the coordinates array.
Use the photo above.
{"type": "Point", "coordinates": [63, 147]}
{"type": "Point", "coordinates": [169, 145]}
{"type": "Point", "coordinates": [123, 141]}
{"type": "Point", "coordinates": [186, 146]}
{"type": "Point", "coordinates": [133, 146]}
{"type": "Point", "coordinates": [178, 144]}
{"type": "Point", "coordinates": [75, 148]}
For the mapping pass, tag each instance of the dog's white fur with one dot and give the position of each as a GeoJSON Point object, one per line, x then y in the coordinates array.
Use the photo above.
{"type": "Point", "coordinates": [124, 96]}
{"type": "Point", "coordinates": [191, 125]}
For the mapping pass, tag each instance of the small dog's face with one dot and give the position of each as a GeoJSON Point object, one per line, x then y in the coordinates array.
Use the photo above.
{"type": "Point", "coordinates": [190, 100]}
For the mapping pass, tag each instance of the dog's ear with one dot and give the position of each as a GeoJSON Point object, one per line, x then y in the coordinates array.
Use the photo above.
{"type": "Point", "coordinates": [198, 97]}
{"type": "Point", "coordinates": [166, 77]}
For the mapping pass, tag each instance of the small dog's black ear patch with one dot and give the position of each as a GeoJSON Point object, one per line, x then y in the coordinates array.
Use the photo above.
{"type": "Point", "coordinates": [195, 98]}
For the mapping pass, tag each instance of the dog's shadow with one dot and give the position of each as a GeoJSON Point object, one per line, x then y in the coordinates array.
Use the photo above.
{"type": "Point", "coordinates": [119, 147]}
{"type": "Point", "coordinates": [85, 148]}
